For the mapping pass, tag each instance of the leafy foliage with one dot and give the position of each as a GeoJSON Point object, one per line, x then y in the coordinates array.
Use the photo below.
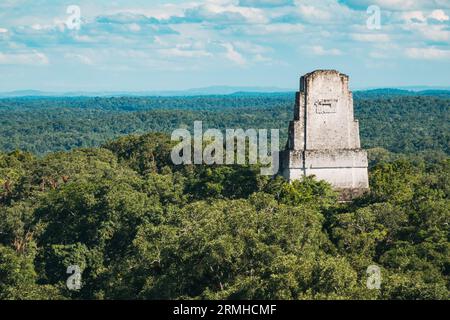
{"type": "Point", "coordinates": [401, 123]}
{"type": "Point", "coordinates": [141, 228]}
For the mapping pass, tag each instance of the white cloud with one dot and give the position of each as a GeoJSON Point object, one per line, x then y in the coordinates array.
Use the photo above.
{"type": "Point", "coordinates": [313, 13]}
{"type": "Point", "coordinates": [163, 12]}
{"type": "Point", "coordinates": [80, 58]}
{"type": "Point", "coordinates": [233, 55]}
{"type": "Point", "coordinates": [435, 33]}
{"type": "Point", "coordinates": [320, 12]}
{"type": "Point", "coordinates": [24, 58]}
{"type": "Point", "coordinates": [400, 5]}
{"type": "Point", "coordinates": [427, 53]}
{"type": "Point", "coordinates": [250, 47]}
{"type": "Point", "coordinates": [378, 55]}
{"type": "Point", "coordinates": [321, 51]}
{"type": "Point", "coordinates": [134, 27]}
{"type": "Point", "coordinates": [245, 32]}
{"type": "Point", "coordinates": [265, 3]}
{"type": "Point", "coordinates": [261, 58]}
{"type": "Point", "coordinates": [187, 49]}
{"type": "Point", "coordinates": [426, 32]}
{"type": "Point", "coordinates": [370, 37]}
{"type": "Point", "coordinates": [438, 15]}
{"type": "Point", "coordinates": [276, 29]}
{"type": "Point", "coordinates": [84, 38]}
{"type": "Point", "coordinates": [414, 17]}
{"type": "Point", "coordinates": [179, 52]}
{"type": "Point", "coordinates": [224, 14]}
{"type": "Point", "coordinates": [133, 54]}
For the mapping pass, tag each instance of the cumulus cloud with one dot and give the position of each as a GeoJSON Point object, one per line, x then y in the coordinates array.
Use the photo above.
{"type": "Point", "coordinates": [178, 52]}
{"type": "Point", "coordinates": [276, 29]}
{"type": "Point", "coordinates": [321, 51]}
{"type": "Point", "coordinates": [221, 14]}
{"type": "Point", "coordinates": [265, 3]}
{"type": "Point", "coordinates": [252, 48]}
{"type": "Point", "coordinates": [437, 33]}
{"type": "Point", "coordinates": [414, 17]}
{"type": "Point", "coordinates": [127, 18]}
{"type": "Point", "coordinates": [428, 53]}
{"type": "Point", "coordinates": [79, 58]}
{"type": "Point", "coordinates": [225, 32]}
{"type": "Point", "coordinates": [371, 37]}
{"type": "Point", "coordinates": [438, 15]}
{"type": "Point", "coordinates": [232, 55]}
{"type": "Point", "coordinates": [123, 23]}
{"type": "Point", "coordinates": [400, 5]}
{"type": "Point", "coordinates": [186, 50]}
{"type": "Point", "coordinates": [33, 58]}
{"type": "Point", "coordinates": [322, 12]}
{"type": "Point", "coordinates": [314, 13]}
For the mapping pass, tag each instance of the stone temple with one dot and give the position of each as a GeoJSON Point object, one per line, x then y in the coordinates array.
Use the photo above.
{"type": "Point", "coordinates": [324, 136]}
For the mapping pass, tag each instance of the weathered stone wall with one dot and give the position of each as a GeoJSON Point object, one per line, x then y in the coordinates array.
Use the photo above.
{"type": "Point", "coordinates": [324, 136]}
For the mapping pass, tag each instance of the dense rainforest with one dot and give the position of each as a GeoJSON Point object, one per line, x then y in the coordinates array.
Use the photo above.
{"type": "Point", "coordinates": [396, 122]}
{"type": "Point", "coordinates": [77, 189]}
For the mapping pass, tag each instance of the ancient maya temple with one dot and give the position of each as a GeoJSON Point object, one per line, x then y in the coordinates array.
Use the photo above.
{"type": "Point", "coordinates": [324, 136]}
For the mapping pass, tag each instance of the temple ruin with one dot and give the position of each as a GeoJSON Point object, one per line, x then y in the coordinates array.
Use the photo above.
{"type": "Point", "coordinates": [324, 136]}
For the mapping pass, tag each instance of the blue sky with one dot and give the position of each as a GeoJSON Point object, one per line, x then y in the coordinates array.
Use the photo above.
{"type": "Point", "coordinates": [138, 45]}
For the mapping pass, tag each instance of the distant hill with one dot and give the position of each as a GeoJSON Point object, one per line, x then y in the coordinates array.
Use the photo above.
{"type": "Point", "coordinates": [392, 92]}
{"type": "Point", "coordinates": [425, 88]}
{"type": "Point", "coordinates": [213, 90]}
{"type": "Point", "coordinates": [228, 90]}
{"type": "Point", "coordinates": [23, 93]}
{"type": "Point", "coordinates": [232, 90]}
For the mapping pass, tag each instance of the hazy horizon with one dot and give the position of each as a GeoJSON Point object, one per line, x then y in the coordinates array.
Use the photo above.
{"type": "Point", "coordinates": [211, 90]}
